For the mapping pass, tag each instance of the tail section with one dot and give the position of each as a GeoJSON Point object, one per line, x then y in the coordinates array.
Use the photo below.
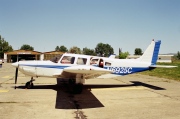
{"type": "Point", "coordinates": [112, 56]}
{"type": "Point", "coordinates": [151, 53]}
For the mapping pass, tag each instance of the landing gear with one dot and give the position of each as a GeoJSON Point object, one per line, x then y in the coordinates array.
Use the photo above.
{"type": "Point", "coordinates": [75, 88]}
{"type": "Point", "coordinates": [72, 81]}
{"type": "Point", "coordinates": [30, 84]}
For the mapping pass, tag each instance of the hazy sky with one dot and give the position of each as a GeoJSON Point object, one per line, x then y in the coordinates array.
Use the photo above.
{"type": "Point", "coordinates": [126, 24]}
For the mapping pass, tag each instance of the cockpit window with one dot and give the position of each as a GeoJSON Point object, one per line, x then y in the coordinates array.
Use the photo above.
{"type": "Point", "coordinates": [81, 61]}
{"type": "Point", "coordinates": [56, 58]}
{"type": "Point", "coordinates": [94, 61]}
{"type": "Point", "coordinates": [68, 60]}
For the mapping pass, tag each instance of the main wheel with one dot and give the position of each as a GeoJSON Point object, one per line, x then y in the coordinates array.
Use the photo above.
{"type": "Point", "coordinates": [29, 85]}
{"type": "Point", "coordinates": [78, 88]}
{"type": "Point", "coordinates": [72, 81]}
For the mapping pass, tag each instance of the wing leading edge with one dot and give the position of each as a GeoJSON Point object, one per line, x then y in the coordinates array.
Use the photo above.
{"type": "Point", "coordinates": [86, 70]}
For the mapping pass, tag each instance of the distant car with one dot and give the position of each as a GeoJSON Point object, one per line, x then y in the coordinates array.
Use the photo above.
{"type": "Point", "coordinates": [1, 61]}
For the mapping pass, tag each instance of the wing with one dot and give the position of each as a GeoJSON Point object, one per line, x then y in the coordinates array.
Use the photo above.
{"type": "Point", "coordinates": [84, 69]}
{"type": "Point", "coordinates": [88, 71]}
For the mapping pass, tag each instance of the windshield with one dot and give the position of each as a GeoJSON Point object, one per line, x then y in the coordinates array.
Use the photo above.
{"type": "Point", "coordinates": [56, 58]}
{"type": "Point", "coordinates": [68, 60]}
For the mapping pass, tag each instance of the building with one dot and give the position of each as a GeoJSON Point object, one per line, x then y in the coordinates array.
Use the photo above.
{"type": "Point", "coordinates": [161, 58]}
{"type": "Point", "coordinates": [50, 55]}
{"type": "Point", "coordinates": [165, 58]}
{"type": "Point", "coordinates": [18, 55]}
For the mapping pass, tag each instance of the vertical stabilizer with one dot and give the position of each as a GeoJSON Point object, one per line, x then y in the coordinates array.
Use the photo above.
{"type": "Point", "coordinates": [151, 53]}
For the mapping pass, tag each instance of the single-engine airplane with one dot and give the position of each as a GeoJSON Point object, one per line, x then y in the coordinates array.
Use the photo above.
{"type": "Point", "coordinates": [75, 68]}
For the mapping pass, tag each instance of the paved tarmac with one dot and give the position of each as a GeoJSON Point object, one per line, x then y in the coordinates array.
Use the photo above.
{"type": "Point", "coordinates": [129, 97]}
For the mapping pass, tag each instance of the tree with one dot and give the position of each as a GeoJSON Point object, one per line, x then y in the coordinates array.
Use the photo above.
{"type": "Point", "coordinates": [75, 50]}
{"type": "Point", "coordinates": [87, 51]}
{"type": "Point", "coordinates": [62, 48]}
{"type": "Point", "coordinates": [104, 49]}
{"type": "Point", "coordinates": [123, 55]}
{"type": "Point", "coordinates": [57, 48]}
{"type": "Point", "coordinates": [178, 55]}
{"type": "Point", "coordinates": [26, 47]}
{"type": "Point", "coordinates": [4, 47]}
{"type": "Point", "coordinates": [138, 51]}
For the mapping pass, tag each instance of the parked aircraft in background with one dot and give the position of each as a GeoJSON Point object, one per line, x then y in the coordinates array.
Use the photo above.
{"type": "Point", "coordinates": [76, 68]}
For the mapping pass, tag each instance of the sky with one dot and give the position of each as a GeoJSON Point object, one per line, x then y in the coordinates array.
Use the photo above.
{"type": "Point", "coordinates": [126, 24]}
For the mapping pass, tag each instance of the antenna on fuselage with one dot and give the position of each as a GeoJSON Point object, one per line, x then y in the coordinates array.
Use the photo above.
{"type": "Point", "coordinates": [120, 50]}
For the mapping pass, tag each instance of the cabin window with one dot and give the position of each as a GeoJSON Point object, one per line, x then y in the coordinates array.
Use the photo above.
{"type": "Point", "coordinates": [94, 61]}
{"type": "Point", "coordinates": [81, 61]}
{"type": "Point", "coordinates": [68, 60]}
{"type": "Point", "coordinates": [107, 64]}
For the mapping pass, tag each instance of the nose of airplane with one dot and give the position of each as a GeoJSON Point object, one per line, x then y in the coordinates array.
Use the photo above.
{"type": "Point", "coordinates": [15, 64]}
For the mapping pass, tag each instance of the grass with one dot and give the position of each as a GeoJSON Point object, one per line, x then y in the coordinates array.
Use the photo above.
{"type": "Point", "coordinates": [169, 73]}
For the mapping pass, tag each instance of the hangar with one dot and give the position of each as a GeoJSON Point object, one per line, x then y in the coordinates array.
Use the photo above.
{"type": "Point", "coordinates": [50, 55]}
{"type": "Point", "coordinates": [18, 55]}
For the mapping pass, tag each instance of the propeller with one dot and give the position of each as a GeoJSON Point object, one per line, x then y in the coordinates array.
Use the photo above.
{"type": "Point", "coordinates": [16, 65]}
{"type": "Point", "coordinates": [16, 75]}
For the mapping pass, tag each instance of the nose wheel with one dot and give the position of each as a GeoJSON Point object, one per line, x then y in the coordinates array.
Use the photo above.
{"type": "Point", "coordinates": [29, 84]}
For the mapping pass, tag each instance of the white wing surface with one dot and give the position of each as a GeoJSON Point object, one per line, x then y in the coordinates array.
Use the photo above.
{"type": "Point", "coordinates": [84, 69]}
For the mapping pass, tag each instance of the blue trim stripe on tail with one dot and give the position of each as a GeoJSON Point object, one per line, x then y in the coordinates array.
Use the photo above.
{"type": "Point", "coordinates": [156, 52]}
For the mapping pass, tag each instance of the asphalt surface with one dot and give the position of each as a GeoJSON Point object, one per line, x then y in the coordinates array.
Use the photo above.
{"type": "Point", "coordinates": [129, 97]}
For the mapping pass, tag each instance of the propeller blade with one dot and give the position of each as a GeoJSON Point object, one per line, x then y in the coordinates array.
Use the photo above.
{"type": "Point", "coordinates": [16, 75]}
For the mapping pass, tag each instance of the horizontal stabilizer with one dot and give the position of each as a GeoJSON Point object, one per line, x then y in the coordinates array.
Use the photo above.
{"type": "Point", "coordinates": [162, 66]}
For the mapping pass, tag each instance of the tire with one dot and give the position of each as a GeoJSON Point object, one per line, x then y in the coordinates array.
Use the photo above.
{"type": "Point", "coordinates": [78, 88]}
{"type": "Point", "coordinates": [29, 85]}
{"type": "Point", "coordinates": [72, 81]}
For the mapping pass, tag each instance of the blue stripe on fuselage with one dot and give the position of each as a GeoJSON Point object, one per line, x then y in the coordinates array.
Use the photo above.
{"type": "Point", "coordinates": [46, 66]}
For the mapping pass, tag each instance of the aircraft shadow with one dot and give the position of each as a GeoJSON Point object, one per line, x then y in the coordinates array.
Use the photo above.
{"type": "Point", "coordinates": [138, 83]}
{"type": "Point", "coordinates": [67, 100]}
{"type": "Point", "coordinates": [134, 83]}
